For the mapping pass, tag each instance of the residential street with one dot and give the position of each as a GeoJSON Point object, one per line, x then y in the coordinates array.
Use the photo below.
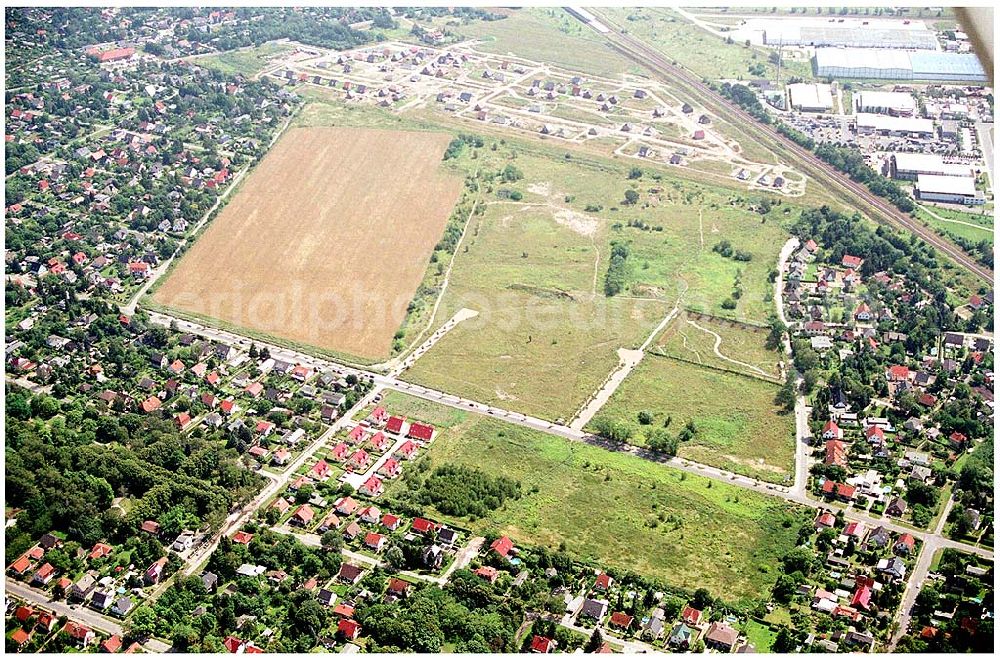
{"type": "Point", "coordinates": [75, 611]}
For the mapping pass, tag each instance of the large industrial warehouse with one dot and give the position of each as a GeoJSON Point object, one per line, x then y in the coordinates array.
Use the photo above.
{"type": "Point", "coordinates": [949, 189]}
{"type": "Point", "coordinates": [893, 103]}
{"type": "Point", "coordinates": [908, 166]}
{"type": "Point", "coordinates": [850, 37]}
{"type": "Point", "coordinates": [810, 98]}
{"type": "Point", "coordinates": [897, 65]}
{"type": "Point", "coordinates": [882, 124]}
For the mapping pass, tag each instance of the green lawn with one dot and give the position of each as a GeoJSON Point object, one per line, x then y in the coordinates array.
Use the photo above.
{"type": "Point", "coordinates": [760, 635]}
{"type": "Point", "coordinates": [738, 426]}
{"type": "Point", "coordinates": [246, 62]}
{"type": "Point", "coordinates": [619, 510]}
{"type": "Point", "coordinates": [547, 336]}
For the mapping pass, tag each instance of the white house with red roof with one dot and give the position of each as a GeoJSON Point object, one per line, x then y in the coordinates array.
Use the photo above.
{"type": "Point", "coordinates": [379, 416]}
{"type": "Point", "coordinates": [358, 461]}
{"type": "Point", "coordinates": [832, 431]}
{"type": "Point", "coordinates": [375, 541]}
{"type": "Point", "coordinates": [408, 450]}
{"type": "Point", "coordinates": [372, 486]}
{"type": "Point", "coordinates": [390, 468]}
{"type": "Point", "coordinates": [503, 547]}
{"type": "Point", "coordinates": [852, 262]}
{"type": "Point", "coordinates": [356, 435]}
{"type": "Point", "coordinates": [340, 452]}
{"type": "Point", "coordinates": [320, 471]}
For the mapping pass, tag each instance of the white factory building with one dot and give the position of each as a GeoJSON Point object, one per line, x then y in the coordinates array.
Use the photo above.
{"type": "Point", "coordinates": [810, 97]}
{"type": "Point", "coordinates": [893, 103]}
{"type": "Point", "coordinates": [787, 33]}
{"type": "Point", "coordinates": [948, 189]}
{"type": "Point", "coordinates": [888, 64]}
{"type": "Point", "coordinates": [882, 124]}
{"type": "Point", "coordinates": [908, 166]}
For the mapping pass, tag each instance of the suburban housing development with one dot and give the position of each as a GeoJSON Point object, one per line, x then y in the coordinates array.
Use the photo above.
{"type": "Point", "coordinates": [498, 330]}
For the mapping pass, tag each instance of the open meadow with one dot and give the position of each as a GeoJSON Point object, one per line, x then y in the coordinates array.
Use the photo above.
{"type": "Point", "coordinates": [247, 62]}
{"type": "Point", "coordinates": [617, 509]}
{"type": "Point", "coordinates": [721, 344]}
{"type": "Point", "coordinates": [551, 35]}
{"type": "Point", "coordinates": [326, 242]}
{"type": "Point", "coordinates": [535, 265]}
{"type": "Point", "coordinates": [743, 433]}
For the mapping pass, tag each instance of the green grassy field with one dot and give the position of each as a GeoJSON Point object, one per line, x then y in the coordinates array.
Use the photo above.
{"type": "Point", "coordinates": [696, 49]}
{"type": "Point", "coordinates": [743, 343]}
{"type": "Point", "coordinates": [981, 229]}
{"type": "Point", "coordinates": [760, 635]}
{"type": "Point", "coordinates": [547, 335]}
{"type": "Point", "coordinates": [741, 432]}
{"type": "Point", "coordinates": [620, 510]}
{"type": "Point", "coordinates": [247, 62]}
{"type": "Point", "coordinates": [551, 35]}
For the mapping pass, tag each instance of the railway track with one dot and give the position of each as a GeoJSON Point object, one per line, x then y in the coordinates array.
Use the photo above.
{"type": "Point", "coordinates": [877, 207]}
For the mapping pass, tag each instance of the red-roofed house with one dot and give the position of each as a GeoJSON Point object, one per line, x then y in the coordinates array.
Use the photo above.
{"type": "Point", "coordinates": [303, 516]}
{"type": "Point", "coordinates": [356, 435]}
{"type": "Point", "coordinates": [904, 545]}
{"type": "Point", "coordinates": [691, 616]}
{"type": "Point", "coordinates": [502, 546]}
{"type": "Point", "coordinates": [372, 486]}
{"type": "Point", "coordinates": [378, 417]}
{"type": "Point", "coordinates": [99, 550]}
{"type": "Point", "coordinates": [423, 526]}
{"type": "Point", "coordinates": [380, 442]}
{"type": "Point", "coordinates": [151, 404]}
{"type": "Point", "coordinates": [832, 431]}
{"type": "Point", "coordinates": [836, 453]}
{"type": "Point", "coordinates": [862, 597]}
{"type": "Point", "coordinates": [825, 520]}
{"type": "Point", "coordinates": [19, 637]}
{"type": "Point", "coordinates": [620, 620]}
{"type": "Point", "coordinates": [958, 440]}
{"type": "Point", "coordinates": [420, 432]}
{"type": "Point", "coordinates": [375, 541]}
{"type": "Point", "coordinates": [390, 468]}
{"type": "Point", "coordinates": [603, 582]}
{"type": "Point", "coordinates": [20, 566]}
{"type": "Point", "coordinates": [391, 522]}
{"type": "Point", "coordinates": [242, 537]}
{"type": "Point", "coordinates": [541, 644]}
{"type": "Point", "coordinates": [111, 645]}
{"type": "Point", "coordinates": [897, 373]}
{"type": "Point", "coordinates": [320, 471]}
{"type": "Point", "coordinates": [394, 424]}
{"type": "Point", "coordinates": [358, 461]}
{"type": "Point", "coordinates": [349, 628]}
{"type": "Point", "coordinates": [408, 450]}
{"type": "Point", "coordinates": [182, 420]}
{"type": "Point", "coordinates": [340, 452]}
{"type": "Point", "coordinates": [853, 262]}
{"type": "Point", "coordinates": [79, 632]}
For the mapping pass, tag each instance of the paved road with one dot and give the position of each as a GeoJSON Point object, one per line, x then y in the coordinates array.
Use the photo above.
{"type": "Point", "coordinates": [916, 580]}
{"type": "Point", "coordinates": [76, 612]}
{"type": "Point", "coordinates": [555, 429]}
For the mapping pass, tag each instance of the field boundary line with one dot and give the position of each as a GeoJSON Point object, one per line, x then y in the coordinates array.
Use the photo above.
{"type": "Point", "coordinates": [663, 355]}
{"type": "Point", "coordinates": [711, 317]}
{"type": "Point", "coordinates": [415, 343]}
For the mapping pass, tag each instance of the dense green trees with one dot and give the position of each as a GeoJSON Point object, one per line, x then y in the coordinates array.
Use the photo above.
{"type": "Point", "coordinates": [461, 491]}
{"type": "Point", "coordinates": [617, 276]}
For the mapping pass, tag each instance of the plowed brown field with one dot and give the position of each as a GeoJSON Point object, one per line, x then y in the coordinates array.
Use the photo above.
{"type": "Point", "coordinates": [326, 242]}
